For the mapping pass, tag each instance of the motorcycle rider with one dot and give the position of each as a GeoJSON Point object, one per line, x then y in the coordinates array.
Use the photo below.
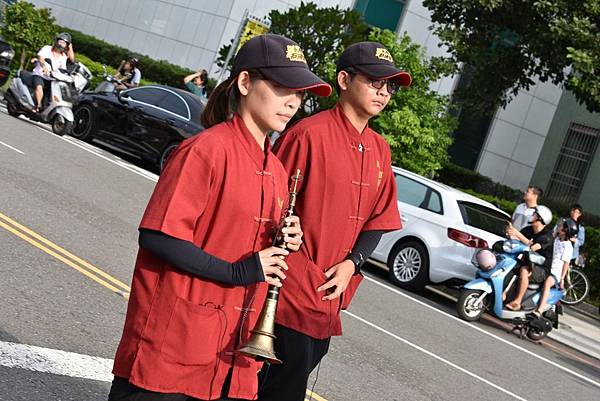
{"type": "Point", "coordinates": [58, 53]}
{"type": "Point", "coordinates": [539, 239]}
{"type": "Point", "coordinates": [561, 260]}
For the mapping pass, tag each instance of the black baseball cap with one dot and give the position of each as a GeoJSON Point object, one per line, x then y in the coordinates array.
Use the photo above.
{"type": "Point", "coordinates": [373, 60]}
{"type": "Point", "coordinates": [280, 60]}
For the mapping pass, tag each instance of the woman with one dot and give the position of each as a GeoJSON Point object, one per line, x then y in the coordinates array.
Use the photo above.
{"type": "Point", "coordinates": [205, 254]}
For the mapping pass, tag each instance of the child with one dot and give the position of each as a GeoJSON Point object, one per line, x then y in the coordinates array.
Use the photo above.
{"type": "Point", "coordinates": [561, 259]}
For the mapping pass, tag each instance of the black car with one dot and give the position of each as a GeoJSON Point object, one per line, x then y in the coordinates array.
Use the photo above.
{"type": "Point", "coordinates": [6, 56]}
{"type": "Point", "coordinates": [147, 121]}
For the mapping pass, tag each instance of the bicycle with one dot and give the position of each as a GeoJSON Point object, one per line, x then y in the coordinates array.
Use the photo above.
{"type": "Point", "coordinates": [577, 285]}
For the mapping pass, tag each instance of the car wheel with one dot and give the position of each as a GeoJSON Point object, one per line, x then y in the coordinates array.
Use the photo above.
{"type": "Point", "coordinates": [84, 128]}
{"type": "Point", "coordinates": [162, 161]}
{"type": "Point", "coordinates": [467, 306]}
{"type": "Point", "coordinates": [60, 125]}
{"type": "Point", "coordinates": [409, 265]}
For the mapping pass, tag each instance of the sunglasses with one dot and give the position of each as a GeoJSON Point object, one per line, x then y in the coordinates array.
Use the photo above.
{"type": "Point", "coordinates": [391, 86]}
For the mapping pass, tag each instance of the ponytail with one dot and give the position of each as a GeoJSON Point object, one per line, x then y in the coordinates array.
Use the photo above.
{"type": "Point", "coordinates": [220, 103]}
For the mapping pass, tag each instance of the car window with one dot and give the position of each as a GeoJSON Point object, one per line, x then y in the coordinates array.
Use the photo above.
{"type": "Point", "coordinates": [417, 194]}
{"type": "Point", "coordinates": [158, 97]}
{"type": "Point", "coordinates": [173, 103]}
{"type": "Point", "coordinates": [146, 95]}
{"type": "Point", "coordinates": [483, 217]}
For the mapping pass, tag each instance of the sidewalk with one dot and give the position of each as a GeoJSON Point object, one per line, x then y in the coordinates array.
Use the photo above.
{"type": "Point", "coordinates": [580, 331]}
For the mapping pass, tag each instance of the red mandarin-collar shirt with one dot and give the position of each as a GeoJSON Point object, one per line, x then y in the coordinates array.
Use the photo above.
{"type": "Point", "coordinates": [348, 187]}
{"type": "Point", "coordinates": [222, 192]}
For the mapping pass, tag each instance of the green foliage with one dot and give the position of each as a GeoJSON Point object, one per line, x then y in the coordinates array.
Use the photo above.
{"type": "Point", "coordinates": [507, 42]}
{"type": "Point", "coordinates": [156, 71]}
{"type": "Point", "coordinates": [416, 122]}
{"type": "Point", "coordinates": [27, 29]}
{"type": "Point", "coordinates": [322, 33]}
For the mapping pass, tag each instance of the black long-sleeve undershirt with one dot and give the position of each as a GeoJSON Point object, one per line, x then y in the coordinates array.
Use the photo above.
{"type": "Point", "coordinates": [365, 245]}
{"type": "Point", "coordinates": [186, 256]}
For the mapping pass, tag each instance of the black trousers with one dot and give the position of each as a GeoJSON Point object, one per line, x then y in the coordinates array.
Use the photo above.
{"type": "Point", "coordinates": [122, 390]}
{"type": "Point", "coordinates": [300, 354]}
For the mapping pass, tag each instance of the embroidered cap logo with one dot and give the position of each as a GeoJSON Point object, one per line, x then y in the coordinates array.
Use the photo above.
{"type": "Point", "coordinates": [383, 54]}
{"type": "Point", "coordinates": [294, 53]}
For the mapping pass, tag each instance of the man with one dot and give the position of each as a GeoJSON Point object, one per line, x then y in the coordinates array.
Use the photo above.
{"type": "Point", "coordinates": [523, 213]}
{"type": "Point", "coordinates": [57, 54]}
{"type": "Point", "coordinates": [539, 239]}
{"type": "Point", "coordinates": [196, 83]}
{"type": "Point", "coordinates": [346, 200]}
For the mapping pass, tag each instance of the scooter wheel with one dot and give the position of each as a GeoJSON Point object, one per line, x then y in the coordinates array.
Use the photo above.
{"type": "Point", "coordinates": [466, 305]}
{"type": "Point", "coordinates": [12, 110]}
{"type": "Point", "coordinates": [535, 335]}
{"type": "Point", "coordinates": [60, 126]}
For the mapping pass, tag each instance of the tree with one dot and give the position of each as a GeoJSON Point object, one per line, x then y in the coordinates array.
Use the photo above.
{"type": "Point", "coordinates": [507, 42]}
{"type": "Point", "coordinates": [320, 32]}
{"type": "Point", "coordinates": [27, 28]}
{"type": "Point", "coordinates": [417, 121]}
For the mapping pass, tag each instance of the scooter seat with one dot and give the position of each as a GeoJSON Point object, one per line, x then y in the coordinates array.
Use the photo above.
{"type": "Point", "coordinates": [24, 75]}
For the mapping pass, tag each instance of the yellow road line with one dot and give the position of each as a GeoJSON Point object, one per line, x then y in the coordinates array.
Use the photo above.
{"type": "Point", "coordinates": [314, 396]}
{"type": "Point", "coordinates": [66, 253]}
{"type": "Point", "coordinates": [64, 260]}
{"type": "Point", "coordinates": [22, 234]}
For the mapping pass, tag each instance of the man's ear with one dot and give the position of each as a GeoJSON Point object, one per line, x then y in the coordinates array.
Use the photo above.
{"type": "Point", "coordinates": [343, 80]}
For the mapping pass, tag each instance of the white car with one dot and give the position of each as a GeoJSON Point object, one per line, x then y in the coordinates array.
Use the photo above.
{"type": "Point", "coordinates": [442, 229]}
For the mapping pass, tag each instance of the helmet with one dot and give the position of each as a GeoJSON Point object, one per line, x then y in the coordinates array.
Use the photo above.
{"type": "Point", "coordinates": [571, 227]}
{"type": "Point", "coordinates": [63, 36]}
{"type": "Point", "coordinates": [544, 213]}
{"type": "Point", "coordinates": [484, 259]}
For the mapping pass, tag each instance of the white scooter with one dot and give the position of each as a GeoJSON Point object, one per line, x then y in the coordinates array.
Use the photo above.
{"type": "Point", "coordinates": [61, 89]}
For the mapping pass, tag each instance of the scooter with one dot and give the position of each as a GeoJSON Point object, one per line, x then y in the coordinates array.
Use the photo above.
{"type": "Point", "coordinates": [486, 291]}
{"type": "Point", "coordinates": [109, 84]}
{"type": "Point", "coordinates": [62, 87]}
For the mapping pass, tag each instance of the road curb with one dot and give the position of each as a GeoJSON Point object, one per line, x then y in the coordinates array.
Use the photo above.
{"type": "Point", "coordinates": [586, 309]}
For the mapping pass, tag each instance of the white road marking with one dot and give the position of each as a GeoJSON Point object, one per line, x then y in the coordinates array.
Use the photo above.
{"type": "Point", "coordinates": [54, 361]}
{"type": "Point", "coordinates": [11, 147]}
{"type": "Point", "coordinates": [394, 290]}
{"type": "Point", "coordinates": [431, 354]}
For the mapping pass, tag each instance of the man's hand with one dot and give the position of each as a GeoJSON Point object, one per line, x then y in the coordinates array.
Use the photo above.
{"type": "Point", "coordinates": [511, 232]}
{"type": "Point", "coordinates": [339, 276]}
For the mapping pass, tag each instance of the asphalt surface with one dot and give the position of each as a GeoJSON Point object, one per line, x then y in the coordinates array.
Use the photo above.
{"type": "Point", "coordinates": [65, 206]}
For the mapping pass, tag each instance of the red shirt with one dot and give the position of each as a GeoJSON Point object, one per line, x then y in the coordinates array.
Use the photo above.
{"type": "Point", "coordinates": [348, 187]}
{"type": "Point", "coordinates": [222, 192]}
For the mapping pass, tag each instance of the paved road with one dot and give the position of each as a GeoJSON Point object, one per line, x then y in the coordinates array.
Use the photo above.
{"type": "Point", "coordinates": [68, 208]}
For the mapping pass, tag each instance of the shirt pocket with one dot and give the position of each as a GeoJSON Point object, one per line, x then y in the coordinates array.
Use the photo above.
{"type": "Point", "coordinates": [194, 334]}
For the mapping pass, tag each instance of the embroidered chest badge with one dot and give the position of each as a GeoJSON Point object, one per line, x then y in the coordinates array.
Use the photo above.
{"type": "Point", "coordinates": [294, 53]}
{"type": "Point", "coordinates": [383, 54]}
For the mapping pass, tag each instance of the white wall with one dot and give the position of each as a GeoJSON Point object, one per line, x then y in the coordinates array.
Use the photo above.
{"type": "Point", "coordinates": [184, 32]}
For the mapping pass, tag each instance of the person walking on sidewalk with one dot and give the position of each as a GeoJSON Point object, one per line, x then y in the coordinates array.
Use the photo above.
{"type": "Point", "coordinates": [346, 201]}
{"type": "Point", "coordinates": [205, 238]}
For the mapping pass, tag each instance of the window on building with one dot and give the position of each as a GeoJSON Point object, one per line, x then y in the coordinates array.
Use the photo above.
{"type": "Point", "coordinates": [381, 13]}
{"type": "Point", "coordinates": [573, 163]}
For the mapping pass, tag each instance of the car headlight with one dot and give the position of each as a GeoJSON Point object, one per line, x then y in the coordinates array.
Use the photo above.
{"type": "Point", "coordinates": [8, 53]}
